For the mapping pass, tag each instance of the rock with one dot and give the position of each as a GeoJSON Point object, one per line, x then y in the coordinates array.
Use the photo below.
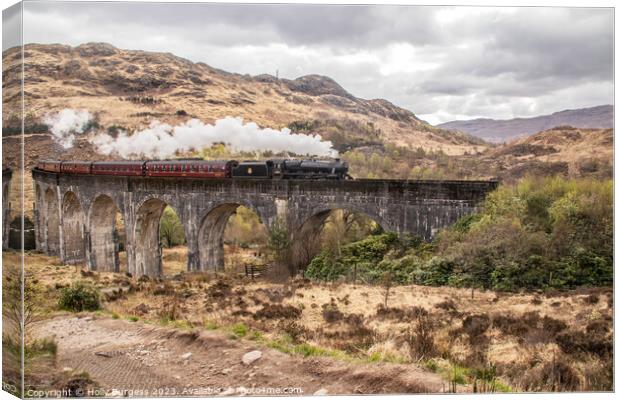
{"type": "Point", "coordinates": [316, 85]}
{"type": "Point", "coordinates": [102, 354]}
{"type": "Point", "coordinates": [252, 356]}
{"type": "Point", "coordinates": [320, 392]}
{"type": "Point", "coordinates": [186, 356]}
{"type": "Point", "coordinates": [67, 369]}
{"type": "Point", "coordinates": [226, 371]}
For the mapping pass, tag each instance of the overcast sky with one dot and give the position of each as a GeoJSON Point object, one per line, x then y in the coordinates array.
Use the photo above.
{"type": "Point", "coordinates": [442, 63]}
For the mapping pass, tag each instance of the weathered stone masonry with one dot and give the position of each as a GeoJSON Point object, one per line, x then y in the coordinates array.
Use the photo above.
{"type": "Point", "coordinates": [75, 213]}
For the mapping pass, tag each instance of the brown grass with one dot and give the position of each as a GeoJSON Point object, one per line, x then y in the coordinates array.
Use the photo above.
{"type": "Point", "coordinates": [510, 331]}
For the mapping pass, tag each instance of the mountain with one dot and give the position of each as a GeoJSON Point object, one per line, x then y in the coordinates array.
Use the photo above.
{"type": "Point", "coordinates": [128, 89]}
{"type": "Point", "coordinates": [499, 131]}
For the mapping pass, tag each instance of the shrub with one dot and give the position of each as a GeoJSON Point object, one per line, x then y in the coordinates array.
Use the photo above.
{"type": "Point", "coordinates": [400, 314]}
{"type": "Point", "coordinates": [278, 311]}
{"type": "Point", "coordinates": [539, 233]}
{"type": "Point", "coordinates": [553, 326]}
{"type": "Point", "coordinates": [448, 305]}
{"type": "Point", "coordinates": [436, 272]}
{"type": "Point", "coordinates": [80, 296]}
{"type": "Point", "coordinates": [591, 299]}
{"type": "Point", "coordinates": [420, 338]}
{"type": "Point", "coordinates": [331, 313]}
{"type": "Point", "coordinates": [366, 254]}
{"type": "Point", "coordinates": [556, 375]}
{"type": "Point", "coordinates": [510, 325]}
{"type": "Point", "coordinates": [476, 325]}
{"type": "Point", "coordinates": [598, 327]}
{"type": "Point", "coordinates": [293, 329]}
{"type": "Point", "coordinates": [580, 343]}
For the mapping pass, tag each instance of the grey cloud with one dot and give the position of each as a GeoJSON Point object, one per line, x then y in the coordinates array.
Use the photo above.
{"type": "Point", "coordinates": [495, 62]}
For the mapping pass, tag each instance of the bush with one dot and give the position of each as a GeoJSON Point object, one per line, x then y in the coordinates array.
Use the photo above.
{"type": "Point", "coordinates": [331, 313]}
{"type": "Point", "coordinates": [420, 338]}
{"type": "Point", "coordinates": [367, 255]}
{"type": "Point", "coordinates": [539, 233]}
{"type": "Point", "coordinates": [557, 375]}
{"type": "Point", "coordinates": [436, 272]}
{"type": "Point", "coordinates": [476, 325]}
{"type": "Point", "coordinates": [80, 296]}
{"type": "Point", "coordinates": [575, 342]}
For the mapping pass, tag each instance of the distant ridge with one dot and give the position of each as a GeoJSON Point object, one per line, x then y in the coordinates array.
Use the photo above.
{"type": "Point", "coordinates": [499, 131]}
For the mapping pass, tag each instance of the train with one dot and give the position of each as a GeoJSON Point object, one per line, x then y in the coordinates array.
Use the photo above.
{"type": "Point", "coordinates": [198, 168]}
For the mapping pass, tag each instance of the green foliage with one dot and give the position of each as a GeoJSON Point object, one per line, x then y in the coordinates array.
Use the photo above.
{"type": "Point", "coordinates": [239, 330]}
{"type": "Point", "coordinates": [366, 256]}
{"type": "Point", "coordinates": [171, 229]}
{"type": "Point", "coordinates": [245, 228]}
{"type": "Point", "coordinates": [278, 242]}
{"type": "Point", "coordinates": [80, 296]}
{"type": "Point", "coordinates": [435, 272]}
{"type": "Point", "coordinates": [539, 233]}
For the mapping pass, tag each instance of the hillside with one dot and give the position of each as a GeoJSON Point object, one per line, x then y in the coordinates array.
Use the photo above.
{"type": "Point", "coordinates": [563, 150]}
{"type": "Point", "coordinates": [499, 131]}
{"type": "Point", "coordinates": [128, 89]}
{"type": "Point", "coordinates": [567, 151]}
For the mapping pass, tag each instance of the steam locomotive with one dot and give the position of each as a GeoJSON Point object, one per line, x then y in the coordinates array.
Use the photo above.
{"type": "Point", "coordinates": [198, 168]}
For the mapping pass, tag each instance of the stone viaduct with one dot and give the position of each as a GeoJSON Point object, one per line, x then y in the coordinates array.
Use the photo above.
{"type": "Point", "coordinates": [75, 214]}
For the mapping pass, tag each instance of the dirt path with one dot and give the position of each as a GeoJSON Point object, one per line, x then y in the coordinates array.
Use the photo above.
{"type": "Point", "coordinates": [147, 360]}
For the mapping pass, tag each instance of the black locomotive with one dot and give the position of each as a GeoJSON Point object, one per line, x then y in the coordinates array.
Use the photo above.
{"type": "Point", "coordinates": [292, 169]}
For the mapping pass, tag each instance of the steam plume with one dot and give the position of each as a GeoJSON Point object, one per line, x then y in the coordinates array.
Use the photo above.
{"type": "Point", "coordinates": [163, 140]}
{"type": "Point", "coordinates": [66, 124]}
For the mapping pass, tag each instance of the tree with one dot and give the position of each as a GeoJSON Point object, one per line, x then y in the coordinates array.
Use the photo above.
{"type": "Point", "coordinates": [279, 243]}
{"type": "Point", "coordinates": [171, 229]}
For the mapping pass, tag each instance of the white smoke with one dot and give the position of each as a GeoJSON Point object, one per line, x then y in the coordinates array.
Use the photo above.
{"type": "Point", "coordinates": [65, 124]}
{"type": "Point", "coordinates": [163, 140]}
